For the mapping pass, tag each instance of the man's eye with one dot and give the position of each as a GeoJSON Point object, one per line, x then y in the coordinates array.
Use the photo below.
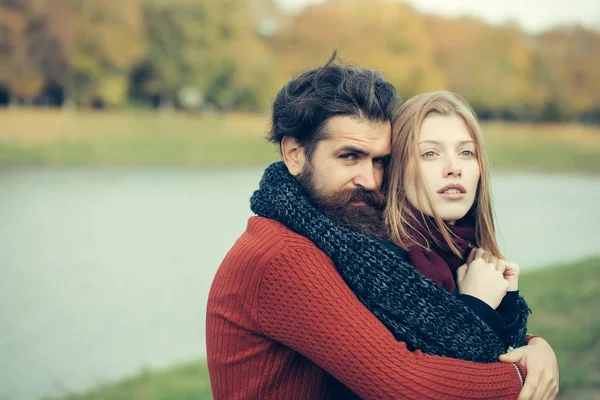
{"type": "Point", "coordinates": [380, 162]}
{"type": "Point", "coordinates": [349, 156]}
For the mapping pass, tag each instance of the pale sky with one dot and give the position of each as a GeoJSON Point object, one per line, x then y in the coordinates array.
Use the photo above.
{"type": "Point", "coordinates": [533, 15]}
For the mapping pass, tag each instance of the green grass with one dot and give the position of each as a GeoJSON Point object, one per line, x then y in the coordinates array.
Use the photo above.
{"type": "Point", "coordinates": [186, 382]}
{"type": "Point", "coordinates": [550, 148]}
{"type": "Point", "coordinates": [566, 312]}
{"type": "Point", "coordinates": [132, 150]}
{"type": "Point", "coordinates": [565, 300]}
{"type": "Point", "coordinates": [132, 138]}
{"type": "Point", "coordinates": [45, 137]}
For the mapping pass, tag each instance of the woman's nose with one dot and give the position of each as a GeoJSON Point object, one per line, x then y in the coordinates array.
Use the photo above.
{"type": "Point", "coordinates": [452, 168]}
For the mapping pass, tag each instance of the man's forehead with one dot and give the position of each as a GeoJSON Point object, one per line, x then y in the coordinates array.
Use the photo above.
{"type": "Point", "coordinates": [349, 130]}
{"type": "Point", "coordinates": [353, 125]}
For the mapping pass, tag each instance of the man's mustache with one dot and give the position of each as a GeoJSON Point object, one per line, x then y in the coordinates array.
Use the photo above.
{"type": "Point", "coordinates": [371, 198]}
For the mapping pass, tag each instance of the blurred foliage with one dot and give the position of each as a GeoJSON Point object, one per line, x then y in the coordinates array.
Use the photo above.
{"type": "Point", "coordinates": [233, 55]}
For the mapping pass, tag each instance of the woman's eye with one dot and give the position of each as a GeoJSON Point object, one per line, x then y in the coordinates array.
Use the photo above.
{"type": "Point", "coordinates": [429, 154]}
{"type": "Point", "coordinates": [466, 153]}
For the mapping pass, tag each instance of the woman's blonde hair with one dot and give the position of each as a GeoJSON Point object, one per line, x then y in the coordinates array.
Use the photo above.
{"type": "Point", "coordinates": [399, 216]}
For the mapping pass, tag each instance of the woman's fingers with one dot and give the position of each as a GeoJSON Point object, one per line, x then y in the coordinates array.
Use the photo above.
{"type": "Point", "coordinates": [486, 256]}
{"type": "Point", "coordinates": [501, 266]}
{"type": "Point", "coordinates": [479, 253]}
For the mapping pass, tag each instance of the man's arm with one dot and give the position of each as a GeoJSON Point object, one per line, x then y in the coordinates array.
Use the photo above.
{"type": "Point", "coordinates": [305, 304]}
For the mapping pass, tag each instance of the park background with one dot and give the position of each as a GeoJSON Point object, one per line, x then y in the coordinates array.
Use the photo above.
{"type": "Point", "coordinates": [132, 136]}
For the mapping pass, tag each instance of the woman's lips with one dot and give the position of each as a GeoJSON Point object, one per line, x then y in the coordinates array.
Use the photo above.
{"type": "Point", "coordinates": [453, 191]}
{"type": "Point", "coordinates": [453, 195]}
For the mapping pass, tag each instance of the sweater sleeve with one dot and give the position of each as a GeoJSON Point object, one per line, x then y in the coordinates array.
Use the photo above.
{"type": "Point", "coordinates": [504, 321]}
{"type": "Point", "coordinates": [485, 312]}
{"type": "Point", "coordinates": [509, 312]}
{"type": "Point", "coordinates": [304, 304]}
{"type": "Point", "coordinates": [508, 308]}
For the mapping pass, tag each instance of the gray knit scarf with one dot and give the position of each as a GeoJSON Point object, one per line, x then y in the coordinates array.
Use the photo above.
{"type": "Point", "coordinates": [412, 307]}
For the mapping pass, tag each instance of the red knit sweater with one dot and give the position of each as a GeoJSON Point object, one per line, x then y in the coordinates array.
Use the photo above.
{"type": "Point", "coordinates": [282, 324]}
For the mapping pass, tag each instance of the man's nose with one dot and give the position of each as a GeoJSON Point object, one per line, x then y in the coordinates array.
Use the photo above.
{"type": "Point", "coordinates": [366, 178]}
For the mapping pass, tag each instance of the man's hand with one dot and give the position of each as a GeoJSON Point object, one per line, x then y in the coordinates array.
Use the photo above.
{"type": "Point", "coordinates": [542, 369]}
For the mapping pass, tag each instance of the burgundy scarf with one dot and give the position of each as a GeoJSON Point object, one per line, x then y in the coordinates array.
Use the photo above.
{"type": "Point", "coordinates": [440, 263]}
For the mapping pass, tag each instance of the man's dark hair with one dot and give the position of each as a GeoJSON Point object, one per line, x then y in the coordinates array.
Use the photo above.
{"type": "Point", "coordinates": [305, 104]}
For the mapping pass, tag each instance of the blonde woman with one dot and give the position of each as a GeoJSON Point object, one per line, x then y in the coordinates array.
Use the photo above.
{"type": "Point", "coordinates": [439, 208]}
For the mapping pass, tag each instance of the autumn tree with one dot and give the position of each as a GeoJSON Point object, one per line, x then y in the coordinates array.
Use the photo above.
{"type": "Point", "coordinates": [106, 40]}
{"type": "Point", "coordinates": [30, 52]}
{"type": "Point", "coordinates": [384, 35]}
{"type": "Point", "coordinates": [209, 45]}
{"type": "Point", "coordinates": [571, 59]}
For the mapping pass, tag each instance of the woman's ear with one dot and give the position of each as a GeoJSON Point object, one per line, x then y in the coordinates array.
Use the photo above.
{"type": "Point", "coordinates": [293, 155]}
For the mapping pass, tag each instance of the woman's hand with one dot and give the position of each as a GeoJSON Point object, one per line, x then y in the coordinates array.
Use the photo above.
{"type": "Point", "coordinates": [509, 270]}
{"type": "Point", "coordinates": [483, 281]}
{"type": "Point", "coordinates": [511, 274]}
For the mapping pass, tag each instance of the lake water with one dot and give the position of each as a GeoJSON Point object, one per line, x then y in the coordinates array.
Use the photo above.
{"type": "Point", "coordinates": [106, 271]}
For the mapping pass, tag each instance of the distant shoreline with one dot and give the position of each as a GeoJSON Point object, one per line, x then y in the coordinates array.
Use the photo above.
{"type": "Point", "coordinates": [53, 137]}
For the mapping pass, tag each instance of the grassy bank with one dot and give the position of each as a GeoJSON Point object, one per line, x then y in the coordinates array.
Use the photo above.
{"type": "Point", "coordinates": [47, 137]}
{"type": "Point", "coordinates": [186, 382]}
{"type": "Point", "coordinates": [566, 303]}
{"type": "Point", "coordinates": [132, 138]}
{"type": "Point", "coordinates": [565, 300]}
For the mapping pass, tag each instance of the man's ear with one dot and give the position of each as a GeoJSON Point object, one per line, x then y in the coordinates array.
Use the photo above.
{"type": "Point", "coordinates": [293, 155]}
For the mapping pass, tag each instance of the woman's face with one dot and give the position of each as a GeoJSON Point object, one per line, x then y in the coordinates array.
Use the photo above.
{"type": "Point", "coordinates": [447, 154]}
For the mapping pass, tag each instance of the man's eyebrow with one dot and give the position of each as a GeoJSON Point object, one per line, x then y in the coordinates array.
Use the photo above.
{"type": "Point", "coordinates": [352, 149]}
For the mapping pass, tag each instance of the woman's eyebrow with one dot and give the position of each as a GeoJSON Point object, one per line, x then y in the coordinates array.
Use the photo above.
{"type": "Point", "coordinates": [438, 143]}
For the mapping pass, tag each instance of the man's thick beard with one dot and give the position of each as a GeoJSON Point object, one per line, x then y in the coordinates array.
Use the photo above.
{"type": "Point", "coordinates": [338, 206]}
